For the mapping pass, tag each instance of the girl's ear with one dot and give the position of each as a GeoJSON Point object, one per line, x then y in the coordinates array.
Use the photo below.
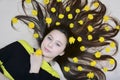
{"type": "Point", "coordinates": [61, 54]}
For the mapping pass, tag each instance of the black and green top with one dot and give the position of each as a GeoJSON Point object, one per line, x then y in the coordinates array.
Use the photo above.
{"type": "Point", "coordinates": [15, 63]}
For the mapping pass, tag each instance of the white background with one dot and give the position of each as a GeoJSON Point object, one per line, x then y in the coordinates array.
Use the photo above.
{"type": "Point", "coordinates": [9, 8]}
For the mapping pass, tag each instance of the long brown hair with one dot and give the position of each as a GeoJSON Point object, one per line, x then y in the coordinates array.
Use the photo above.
{"type": "Point", "coordinates": [90, 24]}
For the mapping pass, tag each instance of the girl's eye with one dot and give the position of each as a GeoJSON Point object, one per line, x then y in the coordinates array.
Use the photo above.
{"type": "Point", "coordinates": [49, 38]}
{"type": "Point", "coordinates": [58, 44]}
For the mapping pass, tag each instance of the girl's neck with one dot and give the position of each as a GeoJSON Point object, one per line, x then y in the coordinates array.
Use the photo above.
{"type": "Point", "coordinates": [47, 59]}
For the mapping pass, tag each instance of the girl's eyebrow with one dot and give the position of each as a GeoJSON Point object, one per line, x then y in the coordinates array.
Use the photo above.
{"type": "Point", "coordinates": [50, 35]}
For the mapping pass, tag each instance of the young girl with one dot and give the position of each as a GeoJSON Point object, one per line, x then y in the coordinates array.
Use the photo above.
{"type": "Point", "coordinates": [91, 46]}
{"type": "Point", "coordinates": [23, 62]}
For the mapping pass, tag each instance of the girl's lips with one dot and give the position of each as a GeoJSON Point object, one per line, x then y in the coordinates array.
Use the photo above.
{"type": "Point", "coordinates": [47, 50]}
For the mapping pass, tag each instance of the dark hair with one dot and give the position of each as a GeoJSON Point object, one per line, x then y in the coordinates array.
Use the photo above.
{"type": "Point", "coordinates": [81, 24]}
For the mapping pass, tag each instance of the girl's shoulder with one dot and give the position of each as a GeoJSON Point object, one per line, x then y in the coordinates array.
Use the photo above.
{"type": "Point", "coordinates": [26, 45]}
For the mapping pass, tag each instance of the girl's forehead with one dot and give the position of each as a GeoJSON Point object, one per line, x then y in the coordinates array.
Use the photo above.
{"type": "Point", "coordinates": [58, 35]}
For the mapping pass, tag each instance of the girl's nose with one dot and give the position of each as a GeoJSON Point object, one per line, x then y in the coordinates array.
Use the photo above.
{"type": "Point", "coordinates": [50, 44]}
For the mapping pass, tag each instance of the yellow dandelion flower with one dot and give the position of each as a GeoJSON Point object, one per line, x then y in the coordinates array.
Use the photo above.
{"type": "Point", "coordinates": [105, 18]}
{"type": "Point", "coordinates": [117, 27]}
{"type": "Point", "coordinates": [71, 25]}
{"type": "Point", "coordinates": [71, 40]}
{"type": "Point", "coordinates": [90, 16]}
{"type": "Point", "coordinates": [38, 52]}
{"type": "Point", "coordinates": [61, 16]}
{"type": "Point", "coordinates": [107, 28]}
{"type": "Point", "coordinates": [93, 63]}
{"type": "Point", "coordinates": [75, 60]}
{"type": "Point", "coordinates": [14, 20]}
{"type": "Point", "coordinates": [90, 28]}
{"type": "Point", "coordinates": [111, 61]}
{"type": "Point", "coordinates": [67, 9]}
{"type": "Point", "coordinates": [105, 69]}
{"type": "Point", "coordinates": [82, 48]}
{"type": "Point", "coordinates": [28, 1]}
{"type": "Point", "coordinates": [87, 8]}
{"type": "Point", "coordinates": [70, 16]}
{"type": "Point", "coordinates": [48, 20]}
{"type": "Point", "coordinates": [53, 9]}
{"type": "Point", "coordinates": [90, 37]}
{"type": "Point", "coordinates": [35, 35]}
{"type": "Point", "coordinates": [98, 54]}
{"type": "Point", "coordinates": [59, 0]}
{"type": "Point", "coordinates": [77, 11]}
{"type": "Point", "coordinates": [57, 23]}
{"type": "Point", "coordinates": [96, 4]}
{"type": "Point", "coordinates": [66, 69]}
{"type": "Point", "coordinates": [79, 39]}
{"type": "Point", "coordinates": [90, 75]}
{"type": "Point", "coordinates": [79, 68]}
{"type": "Point", "coordinates": [112, 44]}
{"type": "Point", "coordinates": [80, 22]}
{"type": "Point", "coordinates": [107, 49]}
{"type": "Point", "coordinates": [34, 12]}
{"type": "Point", "coordinates": [46, 1]}
{"type": "Point", "coordinates": [101, 39]}
{"type": "Point", "coordinates": [31, 25]}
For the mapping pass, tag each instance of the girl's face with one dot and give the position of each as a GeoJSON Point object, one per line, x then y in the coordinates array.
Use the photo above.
{"type": "Point", "coordinates": [53, 44]}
